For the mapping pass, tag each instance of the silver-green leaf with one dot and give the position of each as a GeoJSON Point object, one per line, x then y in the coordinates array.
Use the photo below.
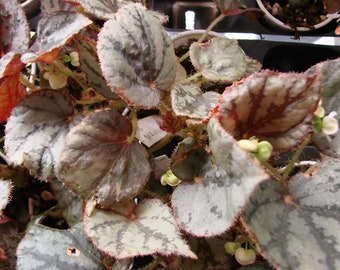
{"type": "Point", "coordinates": [136, 231]}
{"type": "Point", "coordinates": [188, 100]}
{"type": "Point", "coordinates": [104, 9]}
{"type": "Point", "coordinates": [36, 130]}
{"type": "Point", "coordinates": [297, 227]}
{"type": "Point", "coordinates": [209, 205]}
{"type": "Point", "coordinates": [137, 56]}
{"type": "Point", "coordinates": [47, 248]}
{"type": "Point", "coordinates": [222, 59]}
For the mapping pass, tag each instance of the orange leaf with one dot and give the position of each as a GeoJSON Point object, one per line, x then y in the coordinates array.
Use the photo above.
{"type": "Point", "coordinates": [11, 92]}
{"type": "Point", "coordinates": [14, 66]}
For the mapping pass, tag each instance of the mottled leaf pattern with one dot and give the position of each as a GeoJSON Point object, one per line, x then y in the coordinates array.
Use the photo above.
{"type": "Point", "coordinates": [5, 193]}
{"type": "Point", "coordinates": [330, 73]}
{"type": "Point", "coordinates": [188, 100]}
{"type": "Point", "coordinates": [14, 29]}
{"type": "Point", "coordinates": [104, 9]}
{"type": "Point", "coordinates": [277, 107]}
{"type": "Point", "coordinates": [210, 252]}
{"type": "Point", "coordinates": [36, 130]}
{"type": "Point", "coordinates": [221, 59]}
{"type": "Point", "coordinates": [100, 159]}
{"type": "Point", "coordinates": [88, 59]}
{"type": "Point", "coordinates": [54, 30]}
{"type": "Point", "coordinates": [209, 206]}
{"type": "Point", "coordinates": [149, 229]}
{"type": "Point", "coordinates": [137, 56]}
{"type": "Point", "coordinates": [51, 6]}
{"type": "Point", "coordinates": [298, 227]}
{"type": "Point", "coordinates": [46, 248]}
{"type": "Point", "coordinates": [11, 92]}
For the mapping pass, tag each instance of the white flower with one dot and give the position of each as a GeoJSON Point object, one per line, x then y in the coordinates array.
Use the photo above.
{"type": "Point", "coordinates": [55, 78]}
{"type": "Point", "coordinates": [330, 124]}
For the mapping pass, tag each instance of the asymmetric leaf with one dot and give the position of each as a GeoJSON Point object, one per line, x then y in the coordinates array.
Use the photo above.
{"type": "Point", "coordinates": [149, 229]}
{"type": "Point", "coordinates": [210, 205]}
{"type": "Point", "coordinates": [71, 249]}
{"type": "Point", "coordinates": [276, 107]}
{"type": "Point", "coordinates": [298, 227]}
{"type": "Point", "coordinates": [137, 56]}
{"type": "Point", "coordinates": [36, 130]}
{"type": "Point", "coordinates": [222, 59]}
{"type": "Point", "coordinates": [100, 159]}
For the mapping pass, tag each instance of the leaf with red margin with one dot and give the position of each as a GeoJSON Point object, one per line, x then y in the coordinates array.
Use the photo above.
{"type": "Point", "coordinates": [137, 56]}
{"type": "Point", "coordinates": [14, 29]}
{"type": "Point", "coordinates": [132, 230]}
{"type": "Point", "coordinates": [11, 92]}
{"type": "Point", "coordinates": [277, 107]}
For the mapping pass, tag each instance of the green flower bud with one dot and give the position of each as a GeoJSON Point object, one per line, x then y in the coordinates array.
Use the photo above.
{"type": "Point", "coordinates": [230, 247]}
{"type": "Point", "coordinates": [264, 150]}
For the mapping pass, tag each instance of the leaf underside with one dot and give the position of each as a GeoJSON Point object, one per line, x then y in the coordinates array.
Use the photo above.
{"type": "Point", "coordinates": [150, 229]}
{"type": "Point", "coordinates": [297, 227]}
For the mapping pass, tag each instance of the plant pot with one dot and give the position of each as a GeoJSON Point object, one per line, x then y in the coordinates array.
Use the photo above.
{"type": "Point", "coordinates": [279, 25]}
